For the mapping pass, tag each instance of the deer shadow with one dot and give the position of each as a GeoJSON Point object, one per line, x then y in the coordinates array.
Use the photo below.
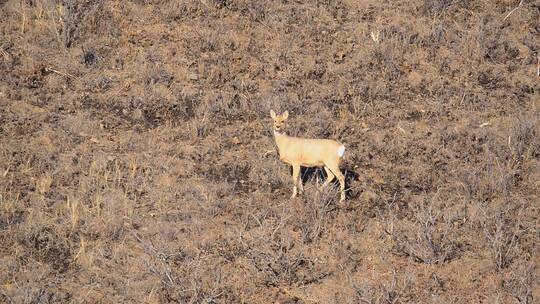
{"type": "Point", "coordinates": [317, 173]}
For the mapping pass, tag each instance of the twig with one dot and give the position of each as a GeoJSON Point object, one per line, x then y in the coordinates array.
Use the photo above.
{"type": "Point", "coordinates": [375, 36]}
{"type": "Point", "coordinates": [50, 70]}
{"type": "Point", "coordinates": [515, 9]}
{"type": "Point", "coordinates": [538, 64]}
{"type": "Point", "coordinates": [282, 220]}
{"type": "Point", "coordinates": [485, 124]}
{"type": "Point", "coordinates": [55, 29]}
{"type": "Point", "coordinates": [4, 54]}
{"type": "Point", "coordinates": [23, 22]}
{"type": "Point", "coordinates": [161, 256]}
{"type": "Point", "coordinates": [6, 296]}
{"type": "Point", "coordinates": [268, 153]}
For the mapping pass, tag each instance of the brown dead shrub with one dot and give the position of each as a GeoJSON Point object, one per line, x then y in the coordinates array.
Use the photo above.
{"type": "Point", "coordinates": [319, 209]}
{"type": "Point", "coordinates": [430, 235]}
{"type": "Point", "coordinates": [279, 264]}
{"type": "Point", "coordinates": [45, 244]}
{"type": "Point", "coordinates": [504, 232]}
{"type": "Point", "coordinates": [389, 291]}
{"type": "Point", "coordinates": [521, 281]}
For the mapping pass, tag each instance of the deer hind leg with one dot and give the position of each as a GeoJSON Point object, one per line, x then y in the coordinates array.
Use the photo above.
{"type": "Point", "coordinates": [295, 176]}
{"type": "Point", "coordinates": [329, 177]}
{"type": "Point", "coordinates": [341, 179]}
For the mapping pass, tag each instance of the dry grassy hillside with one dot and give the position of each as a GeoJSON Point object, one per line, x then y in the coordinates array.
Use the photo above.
{"type": "Point", "coordinates": [134, 139]}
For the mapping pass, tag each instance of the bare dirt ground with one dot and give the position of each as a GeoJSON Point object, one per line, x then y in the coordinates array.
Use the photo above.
{"type": "Point", "coordinates": [134, 139]}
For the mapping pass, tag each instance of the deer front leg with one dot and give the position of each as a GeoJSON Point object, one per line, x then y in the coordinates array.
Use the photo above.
{"type": "Point", "coordinates": [295, 175]}
{"type": "Point", "coordinates": [329, 177]}
{"type": "Point", "coordinates": [299, 181]}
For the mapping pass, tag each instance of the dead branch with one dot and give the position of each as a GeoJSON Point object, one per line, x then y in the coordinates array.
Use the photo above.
{"type": "Point", "coordinates": [515, 9]}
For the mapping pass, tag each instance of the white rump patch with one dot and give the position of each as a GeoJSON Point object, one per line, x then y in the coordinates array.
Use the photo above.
{"type": "Point", "coordinates": [341, 151]}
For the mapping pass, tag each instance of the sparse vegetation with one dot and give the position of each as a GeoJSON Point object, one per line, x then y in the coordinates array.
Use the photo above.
{"type": "Point", "coordinates": [137, 162]}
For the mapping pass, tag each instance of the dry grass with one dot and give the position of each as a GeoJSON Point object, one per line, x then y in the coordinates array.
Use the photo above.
{"type": "Point", "coordinates": [134, 139]}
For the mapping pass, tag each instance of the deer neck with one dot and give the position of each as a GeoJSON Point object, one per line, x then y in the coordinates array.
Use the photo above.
{"type": "Point", "coordinates": [281, 139]}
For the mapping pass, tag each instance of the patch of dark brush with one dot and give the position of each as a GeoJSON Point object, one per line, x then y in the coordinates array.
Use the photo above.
{"type": "Point", "coordinates": [46, 245]}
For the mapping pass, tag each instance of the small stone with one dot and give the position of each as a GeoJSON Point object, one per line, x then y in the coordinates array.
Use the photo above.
{"type": "Point", "coordinates": [137, 114]}
{"type": "Point", "coordinates": [368, 196]}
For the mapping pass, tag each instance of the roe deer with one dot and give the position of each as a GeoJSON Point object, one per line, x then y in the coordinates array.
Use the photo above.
{"type": "Point", "coordinates": [308, 152]}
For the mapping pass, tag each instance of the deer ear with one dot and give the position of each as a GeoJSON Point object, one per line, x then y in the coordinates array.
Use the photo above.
{"type": "Point", "coordinates": [272, 114]}
{"type": "Point", "coordinates": [285, 114]}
